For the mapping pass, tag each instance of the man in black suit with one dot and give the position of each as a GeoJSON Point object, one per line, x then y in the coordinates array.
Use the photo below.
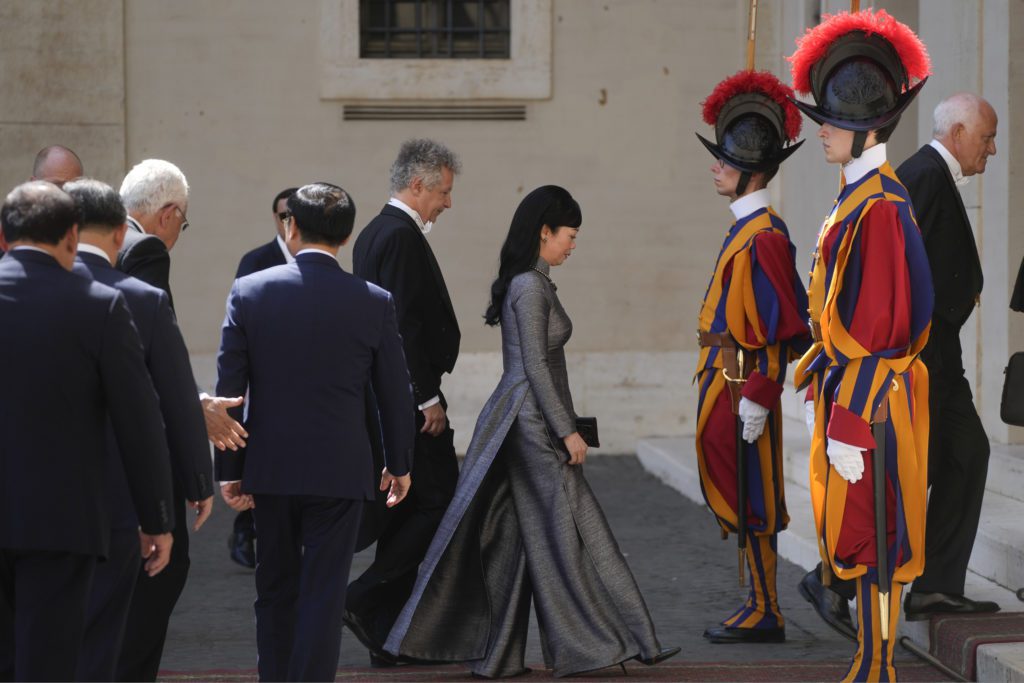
{"type": "Point", "coordinates": [273, 253]}
{"type": "Point", "coordinates": [392, 252]}
{"type": "Point", "coordinates": [303, 339]}
{"type": "Point", "coordinates": [963, 138]}
{"type": "Point", "coordinates": [155, 194]}
{"type": "Point", "coordinates": [75, 366]}
{"type": "Point", "coordinates": [101, 232]}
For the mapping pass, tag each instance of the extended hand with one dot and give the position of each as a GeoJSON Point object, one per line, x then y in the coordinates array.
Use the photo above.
{"type": "Point", "coordinates": [754, 416]}
{"type": "Point", "coordinates": [203, 509]}
{"type": "Point", "coordinates": [156, 550]}
{"type": "Point", "coordinates": [222, 429]}
{"type": "Point", "coordinates": [809, 417]}
{"type": "Point", "coordinates": [233, 496]}
{"type": "Point", "coordinates": [434, 420]}
{"type": "Point", "coordinates": [577, 448]}
{"type": "Point", "coordinates": [397, 487]}
{"type": "Point", "coordinates": [846, 459]}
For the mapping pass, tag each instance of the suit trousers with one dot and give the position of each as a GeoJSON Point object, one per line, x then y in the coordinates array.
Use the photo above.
{"type": "Point", "coordinates": [302, 565]}
{"type": "Point", "coordinates": [958, 453]}
{"type": "Point", "coordinates": [43, 600]}
{"type": "Point", "coordinates": [151, 607]}
{"type": "Point", "coordinates": [376, 598]}
{"type": "Point", "coordinates": [113, 584]}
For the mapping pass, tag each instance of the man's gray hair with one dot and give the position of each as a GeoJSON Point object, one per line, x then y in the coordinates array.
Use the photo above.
{"type": "Point", "coordinates": [151, 185]}
{"type": "Point", "coordinates": [422, 158]}
{"type": "Point", "coordinates": [958, 108]}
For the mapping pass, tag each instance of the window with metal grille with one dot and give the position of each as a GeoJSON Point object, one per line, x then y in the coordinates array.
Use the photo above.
{"type": "Point", "coordinates": [434, 29]}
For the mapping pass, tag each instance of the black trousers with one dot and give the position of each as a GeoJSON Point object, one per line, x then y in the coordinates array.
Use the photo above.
{"type": "Point", "coordinates": [113, 584]}
{"type": "Point", "coordinates": [303, 561]}
{"type": "Point", "coordinates": [376, 598]}
{"type": "Point", "coordinates": [151, 607]}
{"type": "Point", "coordinates": [43, 599]}
{"type": "Point", "coordinates": [958, 453]}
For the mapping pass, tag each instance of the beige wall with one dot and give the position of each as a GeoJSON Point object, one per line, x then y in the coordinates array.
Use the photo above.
{"type": "Point", "coordinates": [231, 92]}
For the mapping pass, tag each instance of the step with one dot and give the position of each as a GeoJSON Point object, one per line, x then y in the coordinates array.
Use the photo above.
{"type": "Point", "coordinates": [1001, 662]}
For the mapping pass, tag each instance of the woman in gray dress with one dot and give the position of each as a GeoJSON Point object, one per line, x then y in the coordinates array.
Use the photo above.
{"type": "Point", "coordinates": [524, 523]}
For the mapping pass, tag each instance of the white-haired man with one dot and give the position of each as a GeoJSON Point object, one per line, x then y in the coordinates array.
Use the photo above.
{"type": "Point", "coordinates": [963, 138]}
{"type": "Point", "coordinates": [155, 195]}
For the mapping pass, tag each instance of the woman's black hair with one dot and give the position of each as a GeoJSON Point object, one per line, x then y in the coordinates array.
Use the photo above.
{"type": "Point", "coordinates": [548, 205]}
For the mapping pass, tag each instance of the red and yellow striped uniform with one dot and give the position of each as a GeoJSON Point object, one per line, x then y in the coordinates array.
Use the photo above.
{"type": "Point", "coordinates": [756, 297]}
{"type": "Point", "coordinates": [871, 291]}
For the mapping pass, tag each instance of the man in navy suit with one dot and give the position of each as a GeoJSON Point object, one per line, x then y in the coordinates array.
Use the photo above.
{"type": "Point", "coordinates": [101, 232]}
{"type": "Point", "coordinates": [273, 253]}
{"type": "Point", "coordinates": [304, 339]}
{"type": "Point", "coordinates": [75, 366]}
{"type": "Point", "coordinates": [392, 251]}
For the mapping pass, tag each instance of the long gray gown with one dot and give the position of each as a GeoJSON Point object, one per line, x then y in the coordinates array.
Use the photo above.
{"type": "Point", "coordinates": [525, 524]}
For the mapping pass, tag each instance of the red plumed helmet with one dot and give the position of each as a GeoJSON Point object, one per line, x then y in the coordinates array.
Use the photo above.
{"type": "Point", "coordinates": [862, 69]}
{"type": "Point", "coordinates": [754, 120]}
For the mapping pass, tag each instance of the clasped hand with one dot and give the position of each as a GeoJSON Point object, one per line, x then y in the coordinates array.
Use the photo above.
{"type": "Point", "coordinates": [754, 415]}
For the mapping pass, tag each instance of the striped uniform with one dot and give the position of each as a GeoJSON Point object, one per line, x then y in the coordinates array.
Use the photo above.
{"type": "Point", "coordinates": [756, 296]}
{"type": "Point", "coordinates": [871, 291]}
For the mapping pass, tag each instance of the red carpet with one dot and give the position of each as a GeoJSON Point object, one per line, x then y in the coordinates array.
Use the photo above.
{"type": "Point", "coordinates": [691, 671]}
{"type": "Point", "coordinates": [955, 639]}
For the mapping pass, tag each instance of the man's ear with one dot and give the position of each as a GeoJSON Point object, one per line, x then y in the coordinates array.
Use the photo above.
{"type": "Point", "coordinates": [119, 234]}
{"type": "Point", "coordinates": [3, 242]}
{"type": "Point", "coordinates": [416, 186]}
{"type": "Point", "coordinates": [70, 242]}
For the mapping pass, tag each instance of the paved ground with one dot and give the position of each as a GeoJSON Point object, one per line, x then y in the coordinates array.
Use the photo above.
{"type": "Point", "coordinates": [687, 575]}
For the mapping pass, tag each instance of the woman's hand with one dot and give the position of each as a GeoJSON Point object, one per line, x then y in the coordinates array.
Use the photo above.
{"type": "Point", "coordinates": [577, 448]}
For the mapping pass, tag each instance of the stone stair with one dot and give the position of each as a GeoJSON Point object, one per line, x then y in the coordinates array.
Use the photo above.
{"type": "Point", "coordinates": [997, 563]}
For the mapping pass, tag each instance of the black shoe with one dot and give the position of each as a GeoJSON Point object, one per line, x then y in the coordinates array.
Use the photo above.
{"type": "Point", "coordinates": [919, 606]}
{"type": "Point", "coordinates": [663, 654]}
{"type": "Point", "coordinates": [241, 549]}
{"type": "Point", "coordinates": [379, 658]}
{"type": "Point", "coordinates": [378, 662]}
{"type": "Point", "coordinates": [722, 634]}
{"type": "Point", "coordinates": [829, 605]}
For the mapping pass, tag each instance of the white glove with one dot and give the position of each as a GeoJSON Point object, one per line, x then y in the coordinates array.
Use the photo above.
{"type": "Point", "coordinates": [753, 416]}
{"type": "Point", "coordinates": [848, 460]}
{"type": "Point", "coordinates": [809, 417]}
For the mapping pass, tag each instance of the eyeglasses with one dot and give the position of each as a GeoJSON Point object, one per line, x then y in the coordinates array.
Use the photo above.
{"type": "Point", "coordinates": [284, 215]}
{"type": "Point", "coordinates": [184, 220]}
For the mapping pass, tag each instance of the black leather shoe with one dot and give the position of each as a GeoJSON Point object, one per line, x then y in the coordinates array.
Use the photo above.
{"type": "Point", "coordinates": [920, 606]}
{"type": "Point", "coordinates": [379, 658]}
{"type": "Point", "coordinates": [721, 634]}
{"type": "Point", "coordinates": [829, 605]}
{"type": "Point", "coordinates": [663, 654]}
{"type": "Point", "coordinates": [241, 549]}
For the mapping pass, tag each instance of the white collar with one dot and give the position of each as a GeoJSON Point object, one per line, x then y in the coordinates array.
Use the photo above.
{"type": "Point", "coordinates": [954, 166]}
{"type": "Point", "coordinates": [25, 247]}
{"type": "Point", "coordinates": [749, 203]}
{"type": "Point", "coordinates": [288, 258]}
{"type": "Point", "coordinates": [413, 213]}
{"type": "Point", "coordinates": [93, 249]}
{"type": "Point", "coordinates": [868, 161]}
{"type": "Point", "coordinates": [313, 250]}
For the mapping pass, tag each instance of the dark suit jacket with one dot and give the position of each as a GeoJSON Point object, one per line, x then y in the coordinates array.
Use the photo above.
{"type": "Point", "coordinates": [73, 358]}
{"type": "Point", "coordinates": [393, 253]}
{"type": "Point", "coordinates": [261, 258]}
{"type": "Point", "coordinates": [169, 366]}
{"type": "Point", "coordinates": [304, 340]}
{"type": "Point", "coordinates": [952, 253]}
{"type": "Point", "coordinates": [146, 257]}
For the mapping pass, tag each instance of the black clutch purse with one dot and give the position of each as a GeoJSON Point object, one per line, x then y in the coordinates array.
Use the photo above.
{"type": "Point", "coordinates": [587, 428]}
{"type": "Point", "coordinates": [1011, 410]}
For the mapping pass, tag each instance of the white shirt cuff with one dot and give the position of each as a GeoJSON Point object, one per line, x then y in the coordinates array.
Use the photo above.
{"type": "Point", "coordinates": [432, 402]}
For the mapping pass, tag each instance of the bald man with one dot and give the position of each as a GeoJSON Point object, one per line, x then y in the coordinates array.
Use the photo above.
{"type": "Point", "coordinates": [56, 164]}
{"type": "Point", "coordinates": [964, 136]}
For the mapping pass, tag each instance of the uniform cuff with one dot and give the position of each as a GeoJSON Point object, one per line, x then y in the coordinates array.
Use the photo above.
{"type": "Point", "coordinates": [850, 428]}
{"type": "Point", "coordinates": [761, 390]}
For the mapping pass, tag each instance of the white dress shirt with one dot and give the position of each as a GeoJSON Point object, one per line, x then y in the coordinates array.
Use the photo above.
{"type": "Point", "coordinates": [954, 166]}
{"type": "Point", "coordinates": [869, 160]}
{"type": "Point", "coordinates": [749, 203]}
{"type": "Point", "coordinates": [96, 251]}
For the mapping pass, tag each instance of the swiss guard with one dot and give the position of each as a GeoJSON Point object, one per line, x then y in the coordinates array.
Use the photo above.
{"type": "Point", "coordinates": [870, 301]}
{"type": "Point", "coordinates": [752, 323]}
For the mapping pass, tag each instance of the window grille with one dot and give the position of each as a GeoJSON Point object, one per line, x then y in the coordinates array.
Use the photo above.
{"type": "Point", "coordinates": [434, 29]}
